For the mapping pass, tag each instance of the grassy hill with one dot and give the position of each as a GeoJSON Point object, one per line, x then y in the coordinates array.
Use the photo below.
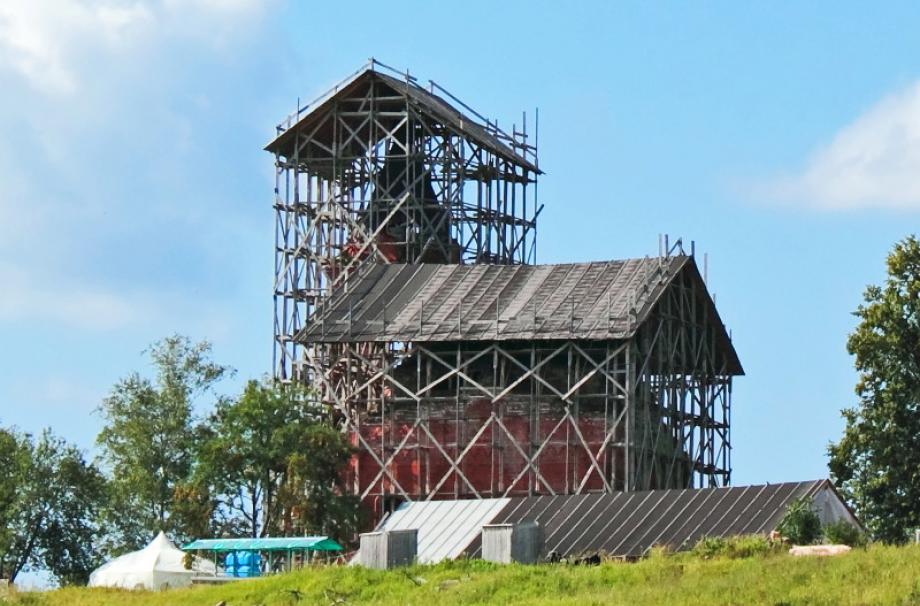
{"type": "Point", "coordinates": [877, 575]}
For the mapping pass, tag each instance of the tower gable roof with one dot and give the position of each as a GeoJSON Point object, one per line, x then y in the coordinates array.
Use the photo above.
{"type": "Point", "coordinates": [391, 94]}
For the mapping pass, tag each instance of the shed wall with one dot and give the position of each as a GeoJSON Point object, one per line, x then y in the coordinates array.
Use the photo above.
{"type": "Point", "coordinates": [388, 549]}
{"type": "Point", "coordinates": [507, 543]}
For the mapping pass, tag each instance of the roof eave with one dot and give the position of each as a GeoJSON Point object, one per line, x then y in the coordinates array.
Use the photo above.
{"type": "Point", "coordinates": [276, 145]}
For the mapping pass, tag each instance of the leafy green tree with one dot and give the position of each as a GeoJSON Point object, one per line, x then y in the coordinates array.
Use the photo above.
{"type": "Point", "coordinates": [50, 518]}
{"type": "Point", "coordinates": [876, 464]}
{"type": "Point", "coordinates": [149, 441]}
{"type": "Point", "coordinates": [314, 493]}
{"type": "Point", "coordinates": [15, 459]}
{"type": "Point", "coordinates": [264, 447]}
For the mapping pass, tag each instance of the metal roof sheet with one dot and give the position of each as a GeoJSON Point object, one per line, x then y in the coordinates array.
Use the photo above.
{"type": "Point", "coordinates": [264, 544]}
{"type": "Point", "coordinates": [629, 524]}
{"type": "Point", "coordinates": [445, 528]}
{"type": "Point", "coordinates": [625, 524]}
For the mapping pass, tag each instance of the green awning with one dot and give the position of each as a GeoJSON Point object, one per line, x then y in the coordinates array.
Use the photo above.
{"type": "Point", "coordinates": [267, 544]}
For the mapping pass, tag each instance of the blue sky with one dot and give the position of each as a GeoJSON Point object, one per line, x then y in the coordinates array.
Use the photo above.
{"type": "Point", "coordinates": [135, 196]}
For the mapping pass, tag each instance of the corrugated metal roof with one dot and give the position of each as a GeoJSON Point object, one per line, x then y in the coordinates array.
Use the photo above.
{"type": "Point", "coordinates": [629, 524]}
{"type": "Point", "coordinates": [445, 528]}
{"type": "Point", "coordinates": [425, 100]}
{"type": "Point", "coordinates": [430, 302]}
{"type": "Point", "coordinates": [624, 524]}
{"type": "Point", "coordinates": [264, 544]}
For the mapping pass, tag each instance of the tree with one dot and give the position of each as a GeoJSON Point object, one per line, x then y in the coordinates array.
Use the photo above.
{"type": "Point", "coordinates": [876, 464]}
{"type": "Point", "coordinates": [264, 447]}
{"type": "Point", "coordinates": [314, 492]}
{"type": "Point", "coordinates": [15, 458]}
{"type": "Point", "coordinates": [149, 441]}
{"type": "Point", "coordinates": [50, 518]}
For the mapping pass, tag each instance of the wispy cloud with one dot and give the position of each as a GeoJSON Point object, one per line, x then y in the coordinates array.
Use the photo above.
{"type": "Point", "coordinates": [105, 115]}
{"type": "Point", "coordinates": [48, 42]}
{"type": "Point", "coordinates": [40, 40]}
{"type": "Point", "coordinates": [871, 163]}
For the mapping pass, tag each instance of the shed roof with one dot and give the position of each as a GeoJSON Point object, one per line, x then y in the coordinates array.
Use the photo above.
{"type": "Point", "coordinates": [446, 528]}
{"type": "Point", "coordinates": [619, 524]}
{"type": "Point", "coordinates": [630, 523]}
{"type": "Point", "coordinates": [264, 544]}
{"type": "Point", "coordinates": [425, 101]}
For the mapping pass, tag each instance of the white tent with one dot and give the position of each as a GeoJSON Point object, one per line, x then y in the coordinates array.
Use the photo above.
{"type": "Point", "coordinates": [157, 566]}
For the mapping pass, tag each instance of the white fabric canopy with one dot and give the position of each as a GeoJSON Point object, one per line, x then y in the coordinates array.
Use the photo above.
{"type": "Point", "coordinates": [157, 566]}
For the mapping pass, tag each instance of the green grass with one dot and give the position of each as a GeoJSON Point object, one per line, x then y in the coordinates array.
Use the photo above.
{"type": "Point", "coordinates": [877, 575]}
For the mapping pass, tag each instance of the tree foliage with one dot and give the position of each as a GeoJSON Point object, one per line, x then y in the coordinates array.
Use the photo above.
{"type": "Point", "coordinates": [149, 441]}
{"type": "Point", "coordinates": [265, 463]}
{"type": "Point", "coordinates": [842, 532]}
{"type": "Point", "coordinates": [50, 501]}
{"type": "Point", "coordinates": [876, 463]}
{"type": "Point", "coordinates": [314, 492]}
{"type": "Point", "coordinates": [263, 448]}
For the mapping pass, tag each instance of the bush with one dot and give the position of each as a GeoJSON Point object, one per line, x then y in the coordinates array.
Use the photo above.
{"type": "Point", "coordinates": [744, 546]}
{"type": "Point", "coordinates": [709, 547]}
{"type": "Point", "coordinates": [800, 524]}
{"type": "Point", "coordinates": [844, 533]}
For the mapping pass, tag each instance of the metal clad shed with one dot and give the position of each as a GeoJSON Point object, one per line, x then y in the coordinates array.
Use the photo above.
{"type": "Point", "coordinates": [445, 528]}
{"type": "Point", "coordinates": [618, 524]}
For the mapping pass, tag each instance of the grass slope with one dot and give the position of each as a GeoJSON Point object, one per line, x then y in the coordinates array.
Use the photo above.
{"type": "Point", "coordinates": [878, 575]}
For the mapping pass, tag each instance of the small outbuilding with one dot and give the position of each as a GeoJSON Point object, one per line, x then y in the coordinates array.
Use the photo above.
{"type": "Point", "coordinates": [159, 565]}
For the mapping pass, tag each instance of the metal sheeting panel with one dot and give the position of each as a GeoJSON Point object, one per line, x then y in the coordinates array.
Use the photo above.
{"type": "Point", "coordinates": [445, 528]}
{"type": "Point", "coordinates": [629, 524]}
{"type": "Point", "coordinates": [507, 543]}
{"type": "Point", "coordinates": [429, 303]}
{"type": "Point", "coordinates": [385, 550]}
{"type": "Point", "coordinates": [624, 524]}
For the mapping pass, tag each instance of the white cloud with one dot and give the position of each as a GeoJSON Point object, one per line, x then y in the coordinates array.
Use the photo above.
{"type": "Point", "coordinates": [105, 107]}
{"type": "Point", "coordinates": [873, 162]}
{"type": "Point", "coordinates": [42, 40]}
{"type": "Point", "coordinates": [48, 42]}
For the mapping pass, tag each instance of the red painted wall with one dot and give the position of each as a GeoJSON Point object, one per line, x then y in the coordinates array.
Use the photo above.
{"type": "Point", "coordinates": [491, 465]}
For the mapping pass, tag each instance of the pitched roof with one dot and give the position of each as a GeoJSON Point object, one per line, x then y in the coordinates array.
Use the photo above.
{"type": "Point", "coordinates": [432, 302]}
{"type": "Point", "coordinates": [436, 303]}
{"type": "Point", "coordinates": [425, 101]}
{"type": "Point", "coordinates": [625, 524]}
{"type": "Point", "coordinates": [446, 528]}
{"type": "Point", "coordinates": [630, 523]}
